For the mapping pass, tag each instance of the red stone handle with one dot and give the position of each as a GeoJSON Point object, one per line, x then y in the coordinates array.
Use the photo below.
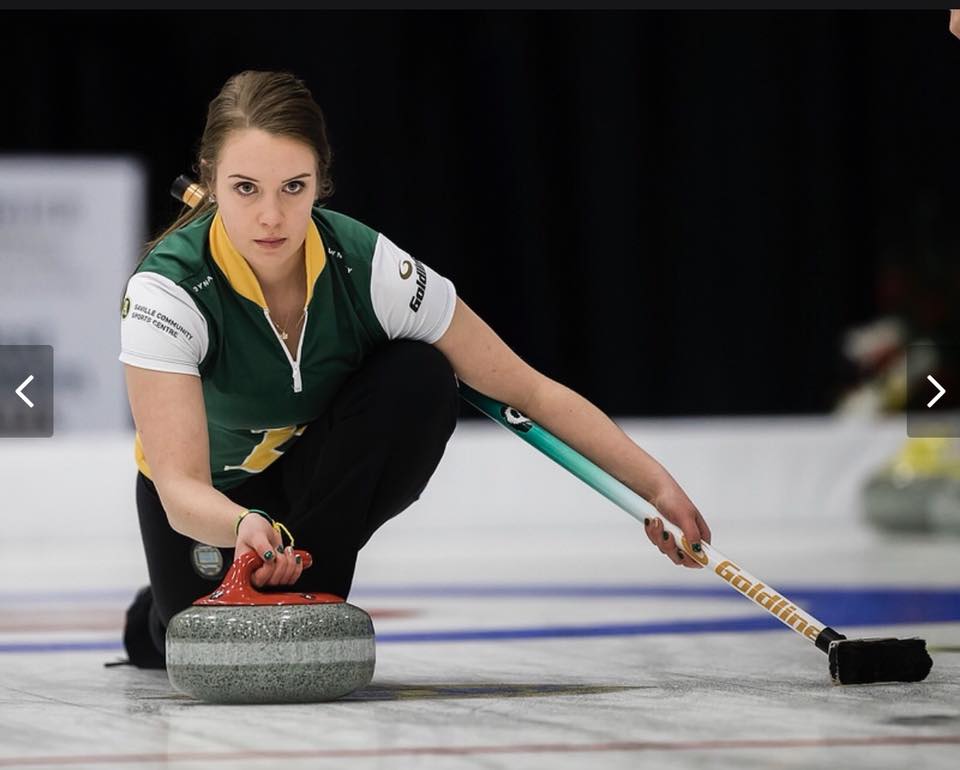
{"type": "Point", "coordinates": [237, 588]}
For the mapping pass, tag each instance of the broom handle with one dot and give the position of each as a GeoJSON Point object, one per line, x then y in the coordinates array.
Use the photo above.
{"type": "Point", "coordinates": [618, 493]}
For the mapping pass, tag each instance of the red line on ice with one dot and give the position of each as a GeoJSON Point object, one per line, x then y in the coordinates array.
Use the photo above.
{"type": "Point", "coordinates": [518, 748]}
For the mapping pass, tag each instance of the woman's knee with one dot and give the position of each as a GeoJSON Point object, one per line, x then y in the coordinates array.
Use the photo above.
{"type": "Point", "coordinates": [419, 384]}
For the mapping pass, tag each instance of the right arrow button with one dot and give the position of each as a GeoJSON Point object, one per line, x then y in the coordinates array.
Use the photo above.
{"type": "Point", "coordinates": [939, 387]}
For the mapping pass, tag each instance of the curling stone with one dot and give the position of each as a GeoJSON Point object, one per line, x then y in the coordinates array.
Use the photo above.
{"type": "Point", "coordinates": [896, 505]}
{"type": "Point", "coordinates": [918, 490]}
{"type": "Point", "coordinates": [240, 645]}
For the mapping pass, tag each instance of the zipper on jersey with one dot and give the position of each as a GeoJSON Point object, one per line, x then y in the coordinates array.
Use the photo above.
{"type": "Point", "coordinates": [294, 365]}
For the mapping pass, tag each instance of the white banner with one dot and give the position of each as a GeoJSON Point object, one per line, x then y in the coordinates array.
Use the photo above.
{"type": "Point", "coordinates": [71, 230]}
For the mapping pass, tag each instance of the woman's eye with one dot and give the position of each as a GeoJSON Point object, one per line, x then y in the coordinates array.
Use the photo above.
{"type": "Point", "coordinates": [248, 188]}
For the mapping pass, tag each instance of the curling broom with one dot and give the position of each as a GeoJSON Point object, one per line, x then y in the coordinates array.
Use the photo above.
{"type": "Point", "coordinates": [852, 661]}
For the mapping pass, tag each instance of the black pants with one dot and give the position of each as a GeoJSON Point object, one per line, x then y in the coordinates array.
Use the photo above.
{"type": "Point", "coordinates": [364, 461]}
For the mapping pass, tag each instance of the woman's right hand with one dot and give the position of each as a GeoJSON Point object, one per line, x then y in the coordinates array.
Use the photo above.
{"type": "Point", "coordinates": [280, 565]}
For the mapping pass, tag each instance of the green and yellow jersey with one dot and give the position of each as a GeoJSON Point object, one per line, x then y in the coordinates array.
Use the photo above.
{"type": "Point", "coordinates": [194, 306]}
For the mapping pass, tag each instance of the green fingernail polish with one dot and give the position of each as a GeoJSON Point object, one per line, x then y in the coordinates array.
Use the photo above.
{"type": "Point", "coordinates": [268, 556]}
{"type": "Point", "coordinates": [666, 535]}
{"type": "Point", "coordinates": [298, 558]}
{"type": "Point", "coordinates": [280, 548]}
{"type": "Point", "coordinates": [696, 547]}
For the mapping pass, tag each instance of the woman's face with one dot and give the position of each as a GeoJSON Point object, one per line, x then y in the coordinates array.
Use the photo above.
{"type": "Point", "coordinates": [265, 187]}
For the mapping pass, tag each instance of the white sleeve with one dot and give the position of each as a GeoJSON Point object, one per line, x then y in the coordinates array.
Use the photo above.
{"type": "Point", "coordinates": [409, 299]}
{"type": "Point", "coordinates": [161, 327]}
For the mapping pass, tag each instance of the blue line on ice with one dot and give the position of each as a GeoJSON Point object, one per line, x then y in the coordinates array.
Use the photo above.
{"type": "Point", "coordinates": [838, 607]}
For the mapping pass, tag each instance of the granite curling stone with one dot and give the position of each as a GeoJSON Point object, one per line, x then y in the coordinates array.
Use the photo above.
{"type": "Point", "coordinates": [239, 645]}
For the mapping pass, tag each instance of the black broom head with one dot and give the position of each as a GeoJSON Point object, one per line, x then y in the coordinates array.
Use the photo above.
{"type": "Point", "coordinates": [864, 661]}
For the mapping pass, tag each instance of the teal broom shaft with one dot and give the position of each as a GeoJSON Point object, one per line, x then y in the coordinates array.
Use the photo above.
{"type": "Point", "coordinates": [619, 494]}
{"type": "Point", "coordinates": [558, 451]}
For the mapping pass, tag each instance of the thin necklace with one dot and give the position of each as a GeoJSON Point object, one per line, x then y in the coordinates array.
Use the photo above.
{"type": "Point", "coordinates": [282, 330]}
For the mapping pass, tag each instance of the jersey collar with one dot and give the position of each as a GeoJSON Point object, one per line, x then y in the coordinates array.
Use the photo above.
{"type": "Point", "coordinates": [241, 276]}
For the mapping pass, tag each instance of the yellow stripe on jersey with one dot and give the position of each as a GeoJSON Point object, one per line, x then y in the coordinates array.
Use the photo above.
{"type": "Point", "coordinates": [141, 458]}
{"type": "Point", "coordinates": [241, 275]}
{"type": "Point", "coordinates": [262, 456]}
{"type": "Point", "coordinates": [264, 453]}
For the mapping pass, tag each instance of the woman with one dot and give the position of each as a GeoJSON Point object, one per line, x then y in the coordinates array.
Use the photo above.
{"type": "Point", "coordinates": [284, 361]}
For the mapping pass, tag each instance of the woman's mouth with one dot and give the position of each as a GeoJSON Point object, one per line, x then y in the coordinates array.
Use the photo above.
{"type": "Point", "coordinates": [270, 243]}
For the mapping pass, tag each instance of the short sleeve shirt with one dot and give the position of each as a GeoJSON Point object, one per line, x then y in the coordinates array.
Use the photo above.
{"type": "Point", "coordinates": [195, 307]}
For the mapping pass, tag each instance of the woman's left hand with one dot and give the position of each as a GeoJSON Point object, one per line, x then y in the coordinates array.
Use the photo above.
{"type": "Point", "coordinates": [676, 507]}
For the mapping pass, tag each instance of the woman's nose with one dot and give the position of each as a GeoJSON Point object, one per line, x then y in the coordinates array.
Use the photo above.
{"type": "Point", "coordinates": [271, 213]}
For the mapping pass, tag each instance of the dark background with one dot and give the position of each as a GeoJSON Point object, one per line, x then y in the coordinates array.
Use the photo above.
{"type": "Point", "coordinates": [671, 212]}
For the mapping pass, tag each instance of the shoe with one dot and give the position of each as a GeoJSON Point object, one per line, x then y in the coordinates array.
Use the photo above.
{"type": "Point", "coordinates": [138, 640]}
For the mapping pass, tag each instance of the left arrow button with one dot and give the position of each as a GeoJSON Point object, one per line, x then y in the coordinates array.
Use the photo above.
{"type": "Point", "coordinates": [19, 391]}
{"type": "Point", "coordinates": [26, 405]}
